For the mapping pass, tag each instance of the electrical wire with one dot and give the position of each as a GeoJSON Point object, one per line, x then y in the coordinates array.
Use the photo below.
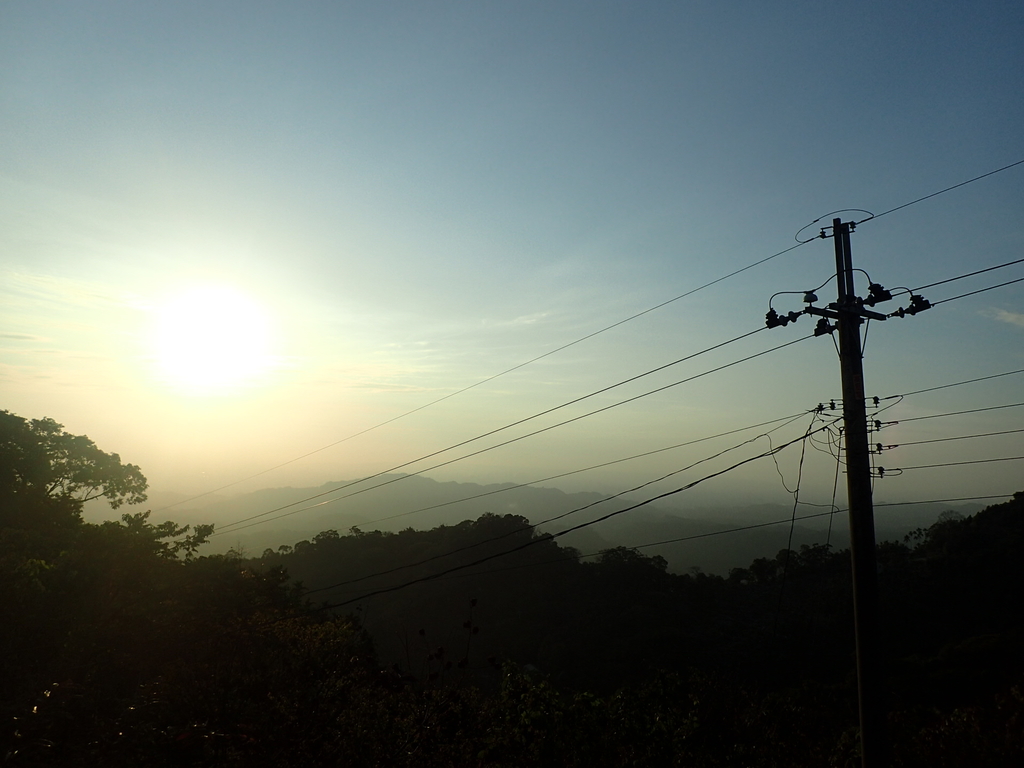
{"type": "Point", "coordinates": [580, 557]}
{"type": "Point", "coordinates": [957, 413]}
{"type": "Point", "coordinates": [494, 376]}
{"type": "Point", "coordinates": [955, 463]}
{"type": "Point", "coordinates": [917, 305]}
{"type": "Point", "coordinates": [824, 216]}
{"type": "Point", "coordinates": [864, 340]}
{"type": "Point", "coordinates": [237, 525]}
{"type": "Point", "coordinates": [738, 529]}
{"type": "Point", "coordinates": [942, 191]}
{"type": "Point", "coordinates": [535, 526]}
{"type": "Point", "coordinates": [831, 447]}
{"type": "Point", "coordinates": [577, 341]}
{"type": "Point", "coordinates": [550, 537]}
{"type": "Point", "coordinates": [954, 384]}
{"type": "Point", "coordinates": [835, 488]}
{"type": "Point", "coordinates": [969, 274]}
{"type": "Point", "coordinates": [948, 439]}
{"type": "Point", "coordinates": [801, 293]}
{"type": "Point", "coordinates": [980, 290]}
{"type": "Point", "coordinates": [792, 526]}
{"type": "Point", "coordinates": [941, 501]}
{"type": "Point", "coordinates": [581, 339]}
{"type": "Point", "coordinates": [577, 557]}
{"type": "Point", "coordinates": [505, 489]}
{"type": "Point", "coordinates": [725, 531]}
{"type": "Point", "coordinates": [495, 431]}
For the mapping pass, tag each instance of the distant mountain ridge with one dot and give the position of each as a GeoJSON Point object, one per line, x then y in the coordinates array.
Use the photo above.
{"type": "Point", "coordinates": [399, 501]}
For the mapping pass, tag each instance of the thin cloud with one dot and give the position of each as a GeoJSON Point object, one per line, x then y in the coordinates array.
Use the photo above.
{"type": "Point", "coordinates": [1005, 316]}
{"type": "Point", "coordinates": [46, 288]}
{"type": "Point", "coordinates": [21, 337]}
{"type": "Point", "coordinates": [531, 319]}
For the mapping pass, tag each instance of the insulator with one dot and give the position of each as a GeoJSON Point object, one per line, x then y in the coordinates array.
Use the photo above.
{"type": "Point", "coordinates": [918, 303]}
{"type": "Point", "coordinates": [823, 327]}
{"type": "Point", "coordinates": [878, 294]}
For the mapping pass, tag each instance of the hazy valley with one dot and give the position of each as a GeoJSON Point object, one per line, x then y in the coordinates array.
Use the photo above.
{"type": "Point", "coordinates": [711, 543]}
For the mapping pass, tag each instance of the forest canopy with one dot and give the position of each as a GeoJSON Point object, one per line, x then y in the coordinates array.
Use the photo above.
{"type": "Point", "coordinates": [124, 646]}
{"type": "Point", "coordinates": [38, 458]}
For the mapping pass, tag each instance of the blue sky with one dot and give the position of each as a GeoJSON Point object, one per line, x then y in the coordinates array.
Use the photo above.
{"type": "Point", "coordinates": [421, 195]}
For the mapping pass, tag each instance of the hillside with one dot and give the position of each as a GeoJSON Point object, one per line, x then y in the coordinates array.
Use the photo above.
{"type": "Point", "coordinates": [420, 503]}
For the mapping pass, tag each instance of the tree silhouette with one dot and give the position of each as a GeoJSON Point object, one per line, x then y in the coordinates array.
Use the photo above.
{"type": "Point", "coordinates": [39, 460]}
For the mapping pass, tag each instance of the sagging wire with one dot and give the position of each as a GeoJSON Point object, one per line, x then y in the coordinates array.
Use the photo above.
{"type": "Point", "coordinates": [821, 235]}
{"type": "Point", "coordinates": [954, 384]}
{"type": "Point", "coordinates": [555, 518]}
{"type": "Point", "coordinates": [580, 526]}
{"type": "Point", "coordinates": [237, 525]}
{"type": "Point", "coordinates": [940, 192]}
{"type": "Point", "coordinates": [955, 463]}
{"type": "Point", "coordinates": [505, 489]}
{"type": "Point", "coordinates": [835, 509]}
{"type": "Point", "coordinates": [949, 439]}
{"type": "Point", "coordinates": [792, 521]}
{"type": "Point", "coordinates": [980, 290]}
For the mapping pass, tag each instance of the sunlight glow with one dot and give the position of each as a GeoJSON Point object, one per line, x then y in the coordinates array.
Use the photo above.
{"type": "Point", "coordinates": [212, 338]}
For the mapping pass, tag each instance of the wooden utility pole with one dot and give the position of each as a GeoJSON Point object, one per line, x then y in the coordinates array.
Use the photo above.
{"type": "Point", "coordinates": [850, 311]}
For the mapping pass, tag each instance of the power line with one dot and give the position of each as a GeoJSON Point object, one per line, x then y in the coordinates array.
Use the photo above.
{"type": "Point", "coordinates": [550, 537]}
{"type": "Point", "coordinates": [788, 420]}
{"type": "Point", "coordinates": [955, 463]}
{"type": "Point", "coordinates": [236, 526]}
{"type": "Point", "coordinates": [941, 192]}
{"type": "Point", "coordinates": [954, 384]}
{"type": "Point", "coordinates": [505, 489]}
{"type": "Point", "coordinates": [919, 304]}
{"type": "Point", "coordinates": [754, 526]}
{"type": "Point", "coordinates": [691, 537]}
{"type": "Point", "coordinates": [980, 290]}
{"type": "Point", "coordinates": [504, 427]}
{"type": "Point", "coordinates": [943, 501]}
{"type": "Point", "coordinates": [494, 376]}
{"type": "Point", "coordinates": [958, 413]}
{"type": "Point", "coordinates": [792, 527]}
{"type": "Point", "coordinates": [809, 517]}
{"type": "Point", "coordinates": [534, 526]}
{"type": "Point", "coordinates": [835, 488]}
{"type": "Point", "coordinates": [492, 432]}
{"type": "Point", "coordinates": [726, 531]}
{"type": "Point", "coordinates": [961, 437]}
{"type": "Point", "coordinates": [573, 343]}
{"type": "Point", "coordinates": [969, 274]}
{"type": "Point", "coordinates": [566, 346]}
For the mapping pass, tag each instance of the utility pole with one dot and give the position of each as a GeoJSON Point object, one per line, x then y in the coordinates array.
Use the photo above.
{"type": "Point", "coordinates": [849, 312]}
{"type": "Point", "coordinates": [862, 521]}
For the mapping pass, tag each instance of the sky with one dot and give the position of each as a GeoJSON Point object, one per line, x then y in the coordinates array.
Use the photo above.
{"type": "Point", "coordinates": [233, 234]}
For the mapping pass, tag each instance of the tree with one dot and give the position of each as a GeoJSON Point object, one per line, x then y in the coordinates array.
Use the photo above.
{"type": "Point", "coordinates": [40, 461]}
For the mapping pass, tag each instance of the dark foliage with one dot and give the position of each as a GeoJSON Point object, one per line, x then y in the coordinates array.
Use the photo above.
{"type": "Point", "coordinates": [123, 647]}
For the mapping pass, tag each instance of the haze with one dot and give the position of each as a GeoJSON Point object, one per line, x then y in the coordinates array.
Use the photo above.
{"type": "Point", "coordinates": [381, 206]}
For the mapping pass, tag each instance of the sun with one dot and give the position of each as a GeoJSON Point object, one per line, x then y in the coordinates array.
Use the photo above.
{"type": "Point", "coordinates": [212, 338]}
